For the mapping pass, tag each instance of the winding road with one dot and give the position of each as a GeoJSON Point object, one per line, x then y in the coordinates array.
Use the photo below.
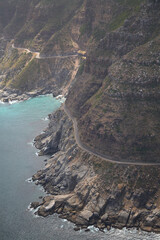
{"type": "Point", "coordinates": [96, 153]}
{"type": "Point", "coordinates": [37, 54]}
{"type": "Point", "coordinates": [76, 133]}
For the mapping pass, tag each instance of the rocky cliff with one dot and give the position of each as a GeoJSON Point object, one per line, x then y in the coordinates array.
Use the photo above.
{"type": "Point", "coordinates": [114, 96]}
{"type": "Point", "coordinates": [90, 191]}
{"type": "Point", "coordinates": [48, 27]}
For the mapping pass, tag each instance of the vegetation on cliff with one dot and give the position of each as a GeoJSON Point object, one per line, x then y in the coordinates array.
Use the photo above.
{"type": "Point", "coordinates": [114, 97]}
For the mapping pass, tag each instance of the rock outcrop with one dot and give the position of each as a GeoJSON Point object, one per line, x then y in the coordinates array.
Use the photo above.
{"type": "Point", "coordinates": [51, 28]}
{"type": "Point", "coordinates": [114, 96]}
{"type": "Point", "coordinates": [88, 191]}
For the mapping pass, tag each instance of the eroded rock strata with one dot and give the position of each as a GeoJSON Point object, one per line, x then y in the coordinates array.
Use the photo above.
{"type": "Point", "coordinates": [116, 97]}
{"type": "Point", "coordinates": [113, 87]}
{"type": "Point", "coordinates": [88, 191]}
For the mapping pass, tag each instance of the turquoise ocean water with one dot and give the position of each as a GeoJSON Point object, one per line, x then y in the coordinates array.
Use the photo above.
{"type": "Point", "coordinates": [19, 124]}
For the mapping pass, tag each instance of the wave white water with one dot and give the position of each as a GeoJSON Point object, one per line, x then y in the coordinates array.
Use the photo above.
{"type": "Point", "coordinates": [29, 208]}
{"type": "Point", "coordinates": [20, 123]}
{"type": "Point", "coordinates": [33, 211]}
{"type": "Point", "coordinates": [42, 132]}
{"type": "Point", "coordinates": [42, 189]}
{"type": "Point", "coordinates": [93, 229]}
{"type": "Point", "coordinates": [64, 220]}
{"type": "Point", "coordinates": [44, 95]}
{"type": "Point", "coordinates": [13, 102]}
{"type": "Point", "coordinates": [37, 153]}
{"type": "Point", "coordinates": [29, 180]}
{"type": "Point", "coordinates": [61, 98]}
{"type": "Point", "coordinates": [31, 143]}
{"type": "Point", "coordinates": [45, 119]}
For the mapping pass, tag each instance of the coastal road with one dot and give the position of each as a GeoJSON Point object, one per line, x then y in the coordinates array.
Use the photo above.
{"type": "Point", "coordinates": [76, 132]}
{"type": "Point", "coordinates": [96, 153]}
{"type": "Point", "coordinates": [37, 54]}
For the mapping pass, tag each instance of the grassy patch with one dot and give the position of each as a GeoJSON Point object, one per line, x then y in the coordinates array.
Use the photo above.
{"type": "Point", "coordinates": [81, 69]}
{"type": "Point", "coordinates": [85, 28]}
{"type": "Point", "coordinates": [130, 7]}
{"type": "Point", "coordinates": [28, 76]}
{"type": "Point", "coordinates": [98, 33]}
{"type": "Point", "coordinates": [99, 94]}
{"type": "Point", "coordinates": [118, 21]}
{"type": "Point", "coordinates": [131, 3]}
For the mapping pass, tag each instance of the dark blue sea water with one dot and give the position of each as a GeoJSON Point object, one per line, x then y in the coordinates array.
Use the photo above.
{"type": "Point", "coordinates": [19, 124]}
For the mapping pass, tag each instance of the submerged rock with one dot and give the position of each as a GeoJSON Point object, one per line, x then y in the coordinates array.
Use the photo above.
{"type": "Point", "coordinates": [35, 205]}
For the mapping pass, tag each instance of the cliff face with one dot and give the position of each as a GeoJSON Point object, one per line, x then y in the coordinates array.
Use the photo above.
{"type": "Point", "coordinates": [87, 190]}
{"type": "Point", "coordinates": [114, 96]}
{"type": "Point", "coordinates": [117, 106]}
{"type": "Point", "coordinates": [48, 27]}
{"type": "Point", "coordinates": [23, 71]}
{"type": "Point", "coordinates": [33, 23]}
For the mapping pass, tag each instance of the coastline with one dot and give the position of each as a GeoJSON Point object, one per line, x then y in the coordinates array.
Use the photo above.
{"type": "Point", "coordinates": [103, 59]}
{"type": "Point", "coordinates": [73, 184]}
{"type": "Point", "coordinates": [9, 95]}
{"type": "Point", "coordinates": [71, 180]}
{"type": "Point", "coordinates": [76, 190]}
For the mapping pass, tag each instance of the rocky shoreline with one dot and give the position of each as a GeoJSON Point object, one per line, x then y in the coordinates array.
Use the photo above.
{"type": "Point", "coordinates": [8, 95]}
{"type": "Point", "coordinates": [87, 191]}
{"type": "Point", "coordinates": [113, 90]}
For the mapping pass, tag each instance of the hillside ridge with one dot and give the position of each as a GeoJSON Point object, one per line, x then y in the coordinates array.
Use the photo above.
{"type": "Point", "coordinates": [112, 107]}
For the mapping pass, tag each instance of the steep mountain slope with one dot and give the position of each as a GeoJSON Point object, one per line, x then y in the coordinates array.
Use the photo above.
{"type": "Point", "coordinates": [40, 26]}
{"type": "Point", "coordinates": [37, 21]}
{"type": "Point", "coordinates": [116, 98]}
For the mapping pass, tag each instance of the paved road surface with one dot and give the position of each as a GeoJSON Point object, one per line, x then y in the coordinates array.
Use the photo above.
{"type": "Point", "coordinates": [76, 133]}
{"type": "Point", "coordinates": [96, 153]}
{"type": "Point", "coordinates": [37, 54]}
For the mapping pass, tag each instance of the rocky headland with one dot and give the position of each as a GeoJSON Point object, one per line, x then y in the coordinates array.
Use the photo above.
{"type": "Point", "coordinates": [89, 191]}
{"type": "Point", "coordinates": [9, 95]}
{"type": "Point", "coordinates": [111, 89]}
